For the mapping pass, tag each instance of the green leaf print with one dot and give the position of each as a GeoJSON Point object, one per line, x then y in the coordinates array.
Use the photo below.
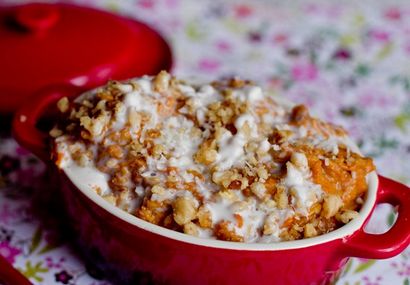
{"type": "Point", "coordinates": [194, 32]}
{"type": "Point", "coordinates": [406, 282]}
{"type": "Point", "coordinates": [36, 239]}
{"type": "Point", "coordinates": [330, 65]}
{"type": "Point", "coordinates": [328, 32]}
{"type": "Point", "coordinates": [401, 121]}
{"type": "Point", "coordinates": [385, 143]}
{"type": "Point", "coordinates": [348, 39]}
{"type": "Point", "coordinates": [348, 267]}
{"type": "Point", "coordinates": [385, 51]}
{"type": "Point", "coordinates": [364, 266]}
{"type": "Point", "coordinates": [406, 84]}
{"type": "Point", "coordinates": [362, 70]}
{"type": "Point", "coordinates": [48, 247]}
{"type": "Point", "coordinates": [113, 6]}
{"type": "Point", "coordinates": [350, 111]}
{"type": "Point", "coordinates": [313, 57]}
{"type": "Point", "coordinates": [359, 20]}
{"type": "Point", "coordinates": [391, 218]}
{"type": "Point", "coordinates": [394, 79]}
{"type": "Point", "coordinates": [32, 271]}
{"type": "Point", "coordinates": [234, 26]}
{"type": "Point", "coordinates": [401, 80]}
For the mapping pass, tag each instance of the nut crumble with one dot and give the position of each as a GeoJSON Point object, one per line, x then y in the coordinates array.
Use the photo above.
{"type": "Point", "coordinates": [222, 160]}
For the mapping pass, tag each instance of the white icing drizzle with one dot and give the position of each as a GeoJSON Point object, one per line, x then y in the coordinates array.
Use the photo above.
{"type": "Point", "coordinates": [179, 140]}
{"type": "Point", "coordinates": [230, 150]}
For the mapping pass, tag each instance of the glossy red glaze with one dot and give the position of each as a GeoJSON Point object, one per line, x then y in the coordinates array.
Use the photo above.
{"type": "Point", "coordinates": [9, 275]}
{"type": "Point", "coordinates": [168, 261]}
{"type": "Point", "coordinates": [51, 44]}
{"type": "Point", "coordinates": [362, 244]}
{"type": "Point", "coordinates": [130, 248]}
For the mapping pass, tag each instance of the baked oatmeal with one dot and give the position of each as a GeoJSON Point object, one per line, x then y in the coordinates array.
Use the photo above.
{"type": "Point", "coordinates": [223, 160]}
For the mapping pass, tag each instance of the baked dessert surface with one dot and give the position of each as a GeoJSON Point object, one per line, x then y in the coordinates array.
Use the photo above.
{"type": "Point", "coordinates": [223, 160]}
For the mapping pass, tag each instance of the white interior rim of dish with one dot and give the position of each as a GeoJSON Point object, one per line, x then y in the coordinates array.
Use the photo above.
{"type": "Point", "coordinates": [339, 233]}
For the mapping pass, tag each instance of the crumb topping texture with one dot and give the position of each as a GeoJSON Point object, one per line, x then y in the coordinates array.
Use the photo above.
{"type": "Point", "coordinates": [223, 160]}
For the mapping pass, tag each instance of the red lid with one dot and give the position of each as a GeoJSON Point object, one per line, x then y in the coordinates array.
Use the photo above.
{"type": "Point", "coordinates": [49, 44]}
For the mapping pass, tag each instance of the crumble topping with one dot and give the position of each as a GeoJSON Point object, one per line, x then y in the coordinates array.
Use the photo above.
{"type": "Point", "coordinates": [222, 160]}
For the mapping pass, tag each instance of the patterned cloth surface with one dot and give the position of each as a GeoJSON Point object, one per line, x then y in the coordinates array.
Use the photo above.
{"type": "Point", "coordinates": [349, 62]}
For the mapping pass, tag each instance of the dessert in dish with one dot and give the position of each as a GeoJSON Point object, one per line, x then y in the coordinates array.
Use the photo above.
{"type": "Point", "coordinates": [223, 160]}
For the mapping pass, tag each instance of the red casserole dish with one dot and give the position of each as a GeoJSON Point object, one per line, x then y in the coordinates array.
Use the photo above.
{"type": "Point", "coordinates": [132, 245]}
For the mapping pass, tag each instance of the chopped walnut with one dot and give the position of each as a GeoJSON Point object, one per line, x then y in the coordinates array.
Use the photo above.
{"type": "Point", "coordinates": [115, 151]}
{"type": "Point", "coordinates": [309, 231]}
{"type": "Point", "coordinates": [55, 132]}
{"type": "Point", "coordinates": [299, 160]}
{"type": "Point", "coordinates": [191, 229]}
{"type": "Point", "coordinates": [63, 105]}
{"type": "Point", "coordinates": [262, 174]}
{"type": "Point", "coordinates": [281, 198]}
{"type": "Point", "coordinates": [184, 210]}
{"type": "Point", "coordinates": [177, 155]}
{"type": "Point", "coordinates": [134, 119]}
{"type": "Point", "coordinates": [207, 156]}
{"type": "Point", "coordinates": [258, 189]}
{"type": "Point", "coordinates": [240, 206]}
{"type": "Point", "coordinates": [158, 150]}
{"type": "Point", "coordinates": [224, 231]}
{"type": "Point", "coordinates": [331, 205]}
{"type": "Point", "coordinates": [161, 81]}
{"type": "Point", "coordinates": [204, 218]}
{"type": "Point", "coordinates": [271, 225]}
{"type": "Point", "coordinates": [346, 216]}
{"type": "Point", "coordinates": [230, 195]}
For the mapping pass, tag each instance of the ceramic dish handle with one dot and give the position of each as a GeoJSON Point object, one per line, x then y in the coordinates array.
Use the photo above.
{"type": "Point", "coordinates": [396, 239]}
{"type": "Point", "coordinates": [25, 120]}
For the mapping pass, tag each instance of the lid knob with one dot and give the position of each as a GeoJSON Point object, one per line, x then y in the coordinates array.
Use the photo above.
{"type": "Point", "coordinates": [37, 17]}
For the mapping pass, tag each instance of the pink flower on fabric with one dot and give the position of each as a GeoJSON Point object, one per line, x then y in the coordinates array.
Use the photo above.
{"type": "Point", "coordinates": [54, 264]}
{"type": "Point", "coordinates": [25, 177]}
{"type": "Point", "coordinates": [304, 72]}
{"type": "Point", "coordinates": [223, 46]}
{"type": "Point", "coordinates": [403, 269]}
{"type": "Point", "coordinates": [342, 54]}
{"type": "Point", "coordinates": [275, 83]}
{"type": "Point", "coordinates": [312, 8]}
{"type": "Point", "coordinates": [255, 37]}
{"type": "Point", "coordinates": [280, 38]}
{"type": "Point", "coordinates": [367, 280]}
{"type": "Point", "coordinates": [63, 277]}
{"type": "Point", "coordinates": [172, 3]}
{"type": "Point", "coordinates": [22, 151]}
{"type": "Point", "coordinates": [243, 11]}
{"type": "Point", "coordinates": [374, 98]}
{"type": "Point", "coordinates": [334, 11]}
{"type": "Point", "coordinates": [147, 4]}
{"type": "Point", "coordinates": [379, 35]}
{"type": "Point", "coordinates": [367, 99]}
{"type": "Point", "coordinates": [393, 13]}
{"type": "Point", "coordinates": [407, 48]}
{"type": "Point", "coordinates": [7, 214]}
{"type": "Point", "coordinates": [209, 64]}
{"type": "Point", "coordinates": [9, 252]}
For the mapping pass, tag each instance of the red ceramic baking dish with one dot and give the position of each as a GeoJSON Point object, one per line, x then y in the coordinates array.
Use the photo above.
{"type": "Point", "coordinates": [164, 256]}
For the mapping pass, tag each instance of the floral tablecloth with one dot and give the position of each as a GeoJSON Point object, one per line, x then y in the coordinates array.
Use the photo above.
{"type": "Point", "coordinates": [348, 61]}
